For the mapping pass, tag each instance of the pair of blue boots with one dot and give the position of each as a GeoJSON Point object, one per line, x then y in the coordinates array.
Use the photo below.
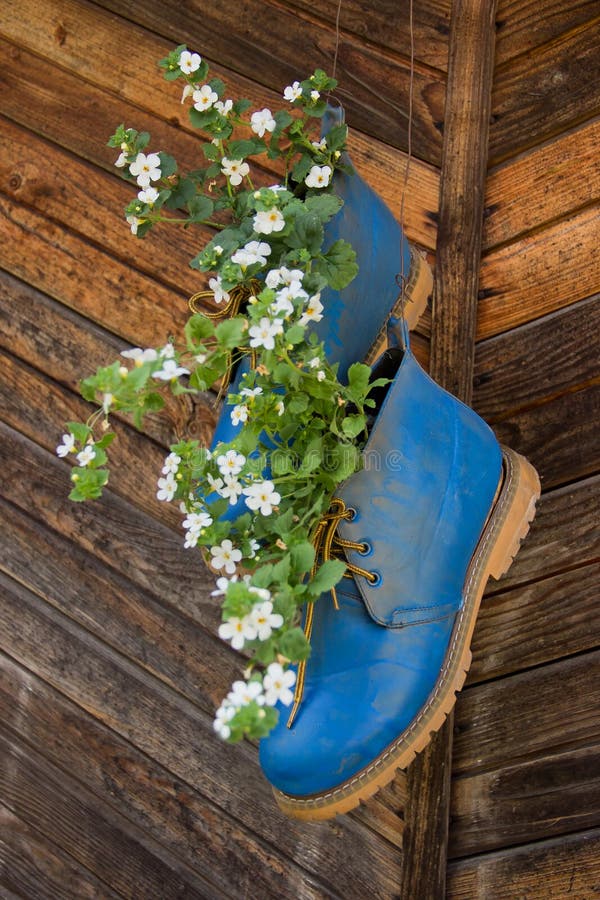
{"type": "Point", "coordinates": [437, 509]}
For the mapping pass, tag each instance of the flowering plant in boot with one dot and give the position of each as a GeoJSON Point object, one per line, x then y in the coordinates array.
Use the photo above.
{"type": "Point", "coordinates": [251, 504]}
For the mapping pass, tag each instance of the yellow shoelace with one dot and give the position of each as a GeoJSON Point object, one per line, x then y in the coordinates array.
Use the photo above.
{"type": "Point", "coordinates": [328, 545]}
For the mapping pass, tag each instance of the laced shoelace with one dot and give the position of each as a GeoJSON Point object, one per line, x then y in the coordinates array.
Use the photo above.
{"type": "Point", "coordinates": [237, 297]}
{"type": "Point", "coordinates": [328, 545]}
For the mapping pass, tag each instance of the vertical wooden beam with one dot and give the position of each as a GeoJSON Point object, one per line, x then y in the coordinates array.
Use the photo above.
{"type": "Point", "coordinates": [456, 285]}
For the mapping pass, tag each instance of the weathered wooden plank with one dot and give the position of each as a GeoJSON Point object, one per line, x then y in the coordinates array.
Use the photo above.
{"type": "Point", "coordinates": [545, 91]}
{"type": "Point", "coordinates": [564, 535]}
{"type": "Point", "coordinates": [66, 347]}
{"type": "Point", "coordinates": [545, 710]}
{"type": "Point", "coordinates": [560, 437]}
{"type": "Point", "coordinates": [550, 870]}
{"type": "Point", "coordinates": [32, 866]}
{"type": "Point", "coordinates": [518, 804]}
{"type": "Point", "coordinates": [118, 534]}
{"type": "Point", "coordinates": [85, 199]}
{"type": "Point", "coordinates": [89, 36]}
{"type": "Point", "coordinates": [536, 623]}
{"type": "Point", "coordinates": [209, 840]}
{"type": "Point", "coordinates": [178, 736]}
{"type": "Point", "coordinates": [154, 635]}
{"type": "Point", "coordinates": [547, 183]}
{"type": "Point", "coordinates": [38, 408]}
{"type": "Point", "coordinates": [539, 273]}
{"type": "Point", "coordinates": [523, 25]}
{"type": "Point", "coordinates": [373, 85]}
{"type": "Point", "coordinates": [386, 24]}
{"type": "Point", "coordinates": [57, 262]}
{"type": "Point", "coordinates": [537, 361]}
{"type": "Point", "coordinates": [82, 825]}
{"type": "Point", "coordinates": [464, 155]}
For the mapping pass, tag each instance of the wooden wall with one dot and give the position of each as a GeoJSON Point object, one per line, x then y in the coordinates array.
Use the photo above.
{"type": "Point", "coordinates": [112, 783]}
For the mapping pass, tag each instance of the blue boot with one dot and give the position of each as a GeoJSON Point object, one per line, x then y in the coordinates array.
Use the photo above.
{"type": "Point", "coordinates": [437, 509]}
{"type": "Point", "coordinates": [353, 327]}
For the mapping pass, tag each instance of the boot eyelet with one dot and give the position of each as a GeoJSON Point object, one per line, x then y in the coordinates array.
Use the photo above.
{"type": "Point", "coordinates": [374, 579]}
{"type": "Point", "coordinates": [351, 514]}
{"type": "Point", "coordinates": [366, 549]}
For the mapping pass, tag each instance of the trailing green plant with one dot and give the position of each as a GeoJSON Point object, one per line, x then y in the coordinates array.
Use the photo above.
{"type": "Point", "coordinates": [299, 430]}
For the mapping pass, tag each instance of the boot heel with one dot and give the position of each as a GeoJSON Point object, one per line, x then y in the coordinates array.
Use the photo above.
{"type": "Point", "coordinates": [416, 294]}
{"type": "Point", "coordinates": [518, 497]}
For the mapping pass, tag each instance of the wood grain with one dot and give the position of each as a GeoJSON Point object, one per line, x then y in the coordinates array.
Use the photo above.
{"type": "Point", "coordinates": [32, 866]}
{"type": "Point", "coordinates": [550, 870]}
{"type": "Point", "coordinates": [536, 623]}
{"type": "Point", "coordinates": [564, 535]}
{"type": "Point", "coordinates": [539, 273]}
{"type": "Point", "coordinates": [549, 709]}
{"type": "Point", "coordinates": [553, 795]}
{"type": "Point", "coordinates": [177, 736]}
{"type": "Point", "coordinates": [373, 85]}
{"type": "Point", "coordinates": [546, 91]}
{"type": "Point", "coordinates": [533, 363]}
{"type": "Point", "coordinates": [542, 185]}
{"type": "Point", "coordinates": [523, 25]}
{"type": "Point", "coordinates": [82, 825]}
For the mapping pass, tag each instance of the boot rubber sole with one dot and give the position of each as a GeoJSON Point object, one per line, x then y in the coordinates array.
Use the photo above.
{"type": "Point", "coordinates": [412, 303]}
{"type": "Point", "coordinates": [506, 526]}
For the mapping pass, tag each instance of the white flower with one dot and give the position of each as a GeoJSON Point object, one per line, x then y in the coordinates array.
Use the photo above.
{"type": "Point", "coordinates": [321, 375]}
{"type": "Point", "coordinates": [107, 401]}
{"type": "Point", "coordinates": [239, 414]}
{"type": "Point", "coordinates": [265, 620]}
{"type": "Point", "coordinates": [320, 145]}
{"type": "Point", "coordinates": [280, 407]}
{"type": "Point", "coordinates": [170, 371]}
{"type": "Point", "coordinates": [121, 161]}
{"type": "Point", "coordinates": [251, 253]}
{"type": "Point", "coordinates": [149, 195]}
{"type": "Point", "coordinates": [254, 548]}
{"type": "Point", "coordinates": [277, 683]}
{"type": "Point", "coordinates": [215, 483]}
{"type": "Point", "coordinates": [251, 392]}
{"type": "Point", "coordinates": [313, 311]}
{"type": "Point", "coordinates": [140, 356]}
{"type": "Point", "coordinates": [314, 96]}
{"type": "Point", "coordinates": [193, 524]}
{"type": "Point", "coordinates": [225, 556]}
{"type": "Point", "coordinates": [166, 488]}
{"type": "Point", "coordinates": [187, 91]}
{"type": "Point", "coordinates": [262, 121]}
{"type": "Point", "coordinates": [292, 92]}
{"type": "Point", "coordinates": [262, 496]}
{"type": "Point", "coordinates": [222, 585]}
{"type": "Point", "coordinates": [285, 297]}
{"type": "Point", "coordinates": [234, 169]}
{"type": "Point", "coordinates": [314, 362]}
{"type": "Point", "coordinates": [268, 220]}
{"type": "Point", "coordinates": [189, 62]}
{"type": "Point", "coordinates": [85, 456]}
{"type": "Point", "coordinates": [134, 222]}
{"type": "Point", "coordinates": [223, 716]}
{"type": "Point", "coordinates": [204, 97]}
{"type": "Point", "coordinates": [242, 693]}
{"type": "Point", "coordinates": [216, 286]}
{"type": "Point", "coordinates": [67, 446]}
{"type": "Point", "coordinates": [318, 177]}
{"type": "Point", "coordinates": [231, 463]}
{"type": "Point", "coordinates": [264, 334]}
{"type": "Point", "coordinates": [167, 352]}
{"type": "Point", "coordinates": [232, 489]}
{"type": "Point", "coordinates": [145, 168]}
{"type": "Point", "coordinates": [171, 464]}
{"type": "Point", "coordinates": [237, 631]}
{"type": "Point", "coordinates": [224, 107]}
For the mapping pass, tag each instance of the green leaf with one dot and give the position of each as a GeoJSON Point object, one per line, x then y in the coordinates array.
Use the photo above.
{"type": "Point", "coordinates": [218, 86]}
{"type": "Point", "coordinates": [230, 332]}
{"type": "Point", "coordinates": [302, 168]}
{"type": "Point", "coordinates": [200, 208]}
{"type": "Point", "coordinates": [327, 576]}
{"type": "Point", "coordinates": [337, 137]}
{"type": "Point", "coordinates": [106, 440]}
{"type": "Point", "coordinates": [303, 556]}
{"type": "Point", "coordinates": [358, 380]}
{"type": "Point", "coordinates": [79, 431]}
{"type": "Point", "coordinates": [307, 233]}
{"type": "Point", "coordinates": [324, 205]}
{"type": "Point", "coordinates": [295, 334]}
{"type": "Point", "coordinates": [353, 425]}
{"type": "Point", "coordinates": [198, 328]}
{"type": "Point", "coordinates": [338, 265]}
{"type": "Point", "coordinates": [242, 149]}
{"type": "Point", "coordinates": [294, 645]}
{"type": "Point", "coordinates": [183, 192]}
{"type": "Point", "coordinates": [168, 164]}
{"type": "Point", "coordinates": [281, 570]}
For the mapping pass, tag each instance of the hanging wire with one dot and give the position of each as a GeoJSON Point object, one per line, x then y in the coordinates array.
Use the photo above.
{"type": "Point", "coordinates": [337, 38]}
{"type": "Point", "coordinates": [401, 277]}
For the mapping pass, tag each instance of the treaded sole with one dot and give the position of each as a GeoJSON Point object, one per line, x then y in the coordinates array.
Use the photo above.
{"type": "Point", "coordinates": [507, 525]}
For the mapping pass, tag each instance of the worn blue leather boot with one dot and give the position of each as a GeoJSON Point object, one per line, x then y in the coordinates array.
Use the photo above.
{"type": "Point", "coordinates": [437, 509]}
{"type": "Point", "coordinates": [353, 327]}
